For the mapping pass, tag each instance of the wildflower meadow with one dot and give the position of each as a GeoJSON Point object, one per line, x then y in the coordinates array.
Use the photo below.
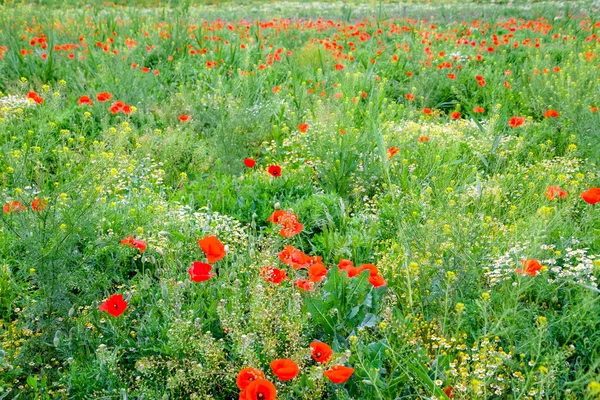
{"type": "Point", "coordinates": [263, 200]}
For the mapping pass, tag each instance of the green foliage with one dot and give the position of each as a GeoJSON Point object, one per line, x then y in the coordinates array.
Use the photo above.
{"type": "Point", "coordinates": [447, 207]}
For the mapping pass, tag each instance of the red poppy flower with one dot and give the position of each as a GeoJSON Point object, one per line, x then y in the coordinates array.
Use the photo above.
{"type": "Point", "coordinates": [13, 207]}
{"type": "Point", "coordinates": [276, 89]}
{"type": "Point", "coordinates": [348, 266]}
{"type": "Point", "coordinates": [285, 369]}
{"type": "Point", "coordinates": [424, 139]}
{"type": "Point", "coordinates": [339, 67]}
{"type": "Point", "coordinates": [555, 191]}
{"type": "Point", "coordinates": [35, 97]}
{"type": "Point", "coordinates": [249, 162]}
{"type": "Point", "coordinates": [39, 205]}
{"type": "Point", "coordinates": [516, 121]}
{"type": "Point", "coordinates": [369, 267]}
{"type": "Point", "coordinates": [591, 196]}
{"type": "Point", "coordinates": [84, 100]}
{"type": "Point", "coordinates": [115, 305]}
{"type": "Point", "coordinates": [296, 259]}
{"type": "Point", "coordinates": [593, 109]}
{"type": "Point", "coordinates": [339, 374]}
{"type": "Point", "coordinates": [449, 391]}
{"type": "Point", "coordinates": [455, 115]}
{"type": "Point", "coordinates": [273, 275]}
{"type": "Point", "coordinates": [377, 281]}
{"type": "Point", "coordinates": [531, 267]}
{"type": "Point", "coordinates": [276, 215]}
{"type": "Point", "coordinates": [551, 114]}
{"type": "Point", "coordinates": [275, 170]}
{"type": "Point", "coordinates": [478, 109]}
{"type": "Point", "coordinates": [184, 117]}
{"type": "Point", "coordinates": [303, 128]}
{"type": "Point", "coordinates": [317, 272]}
{"type": "Point", "coordinates": [260, 389]}
{"type": "Point", "coordinates": [452, 76]}
{"type": "Point", "coordinates": [213, 248]}
{"type": "Point", "coordinates": [321, 352]}
{"type": "Point", "coordinates": [410, 97]}
{"type": "Point", "coordinates": [428, 111]}
{"type": "Point", "coordinates": [392, 151]}
{"type": "Point", "coordinates": [134, 243]}
{"type": "Point", "coordinates": [304, 284]}
{"type": "Point", "coordinates": [288, 221]}
{"type": "Point", "coordinates": [200, 272]}
{"type": "Point", "coordinates": [103, 96]}
{"type": "Point", "coordinates": [247, 376]}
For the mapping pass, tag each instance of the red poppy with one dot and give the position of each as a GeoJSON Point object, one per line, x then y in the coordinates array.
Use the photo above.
{"type": "Point", "coordinates": [184, 117]}
{"type": "Point", "coordinates": [410, 97]}
{"type": "Point", "coordinates": [13, 207]}
{"type": "Point", "coordinates": [317, 272]}
{"type": "Point", "coordinates": [276, 89]}
{"type": "Point", "coordinates": [591, 196]}
{"type": "Point", "coordinates": [516, 121]}
{"type": "Point", "coordinates": [377, 281]}
{"type": "Point", "coordinates": [428, 111]}
{"type": "Point", "coordinates": [249, 162]}
{"type": "Point", "coordinates": [288, 221]}
{"type": "Point", "coordinates": [273, 275]}
{"type": "Point", "coordinates": [455, 115]}
{"type": "Point", "coordinates": [424, 139]}
{"type": "Point", "coordinates": [339, 67]}
{"type": "Point", "coordinates": [531, 267]}
{"type": "Point", "coordinates": [35, 97]}
{"type": "Point", "coordinates": [276, 215]}
{"type": "Point", "coordinates": [39, 205]}
{"type": "Point", "coordinates": [551, 114]}
{"type": "Point", "coordinates": [392, 151]}
{"type": "Point", "coordinates": [593, 109]}
{"type": "Point", "coordinates": [452, 76]}
{"type": "Point", "coordinates": [115, 305]}
{"type": "Point", "coordinates": [478, 109]}
{"type": "Point", "coordinates": [321, 352]}
{"type": "Point", "coordinates": [200, 272]}
{"type": "Point", "coordinates": [84, 100]}
{"type": "Point", "coordinates": [304, 284]}
{"type": "Point", "coordinates": [555, 191]}
{"type": "Point", "coordinates": [296, 259]}
{"type": "Point", "coordinates": [348, 266]}
{"type": "Point", "coordinates": [134, 243]}
{"type": "Point", "coordinates": [247, 376]}
{"type": "Point", "coordinates": [260, 389]}
{"type": "Point", "coordinates": [303, 128]}
{"type": "Point", "coordinates": [449, 391]}
{"type": "Point", "coordinates": [339, 374]}
{"type": "Point", "coordinates": [369, 267]}
{"type": "Point", "coordinates": [103, 96]}
{"type": "Point", "coordinates": [285, 369]}
{"type": "Point", "coordinates": [275, 170]}
{"type": "Point", "coordinates": [212, 248]}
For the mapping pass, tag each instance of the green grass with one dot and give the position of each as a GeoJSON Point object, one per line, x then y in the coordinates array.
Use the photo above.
{"type": "Point", "coordinates": [447, 218]}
